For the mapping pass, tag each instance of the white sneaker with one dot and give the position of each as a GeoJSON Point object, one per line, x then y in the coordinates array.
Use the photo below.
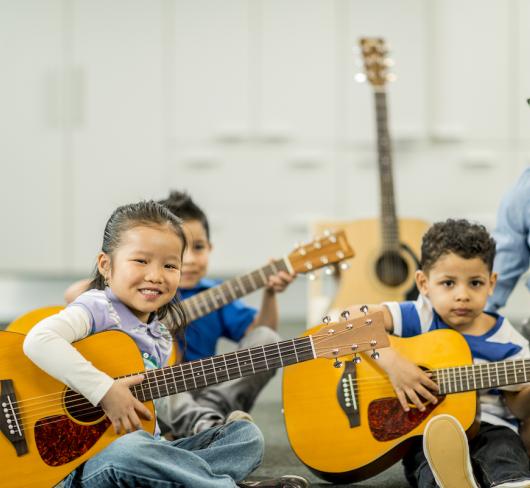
{"type": "Point", "coordinates": [446, 449]}
{"type": "Point", "coordinates": [514, 484]}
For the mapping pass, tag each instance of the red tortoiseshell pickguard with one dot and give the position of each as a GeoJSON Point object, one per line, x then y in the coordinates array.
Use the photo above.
{"type": "Point", "coordinates": [388, 420]}
{"type": "Point", "coordinates": [60, 440]}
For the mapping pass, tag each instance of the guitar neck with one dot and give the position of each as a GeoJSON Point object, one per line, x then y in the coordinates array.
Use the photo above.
{"type": "Point", "coordinates": [479, 376]}
{"type": "Point", "coordinates": [204, 372]}
{"type": "Point", "coordinates": [389, 226]}
{"type": "Point", "coordinates": [218, 296]}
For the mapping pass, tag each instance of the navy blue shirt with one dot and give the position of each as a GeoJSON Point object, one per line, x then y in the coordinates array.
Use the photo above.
{"type": "Point", "coordinates": [230, 321]}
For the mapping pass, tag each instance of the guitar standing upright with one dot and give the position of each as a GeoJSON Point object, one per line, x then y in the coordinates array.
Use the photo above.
{"type": "Point", "coordinates": [386, 248]}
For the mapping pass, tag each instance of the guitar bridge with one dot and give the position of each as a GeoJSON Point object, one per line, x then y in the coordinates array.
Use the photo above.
{"type": "Point", "coordinates": [347, 394]}
{"type": "Point", "coordinates": [10, 423]}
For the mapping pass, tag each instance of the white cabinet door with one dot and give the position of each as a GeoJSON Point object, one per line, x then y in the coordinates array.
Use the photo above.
{"type": "Point", "coordinates": [212, 52]}
{"type": "Point", "coordinates": [296, 86]}
{"type": "Point", "coordinates": [32, 136]}
{"type": "Point", "coordinates": [471, 70]}
{"type": "Point", "coordinates": [120, 64]}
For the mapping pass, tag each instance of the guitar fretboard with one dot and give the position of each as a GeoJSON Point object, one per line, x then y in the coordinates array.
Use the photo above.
{"type": "Point", "coordinates": [389, 226]}
{"type": "Point", "coordinates": [203, 372]}
{"type": "Point", "coordinates": [214, 298]}
{"type": "Point", "coordinates": [480, 376]}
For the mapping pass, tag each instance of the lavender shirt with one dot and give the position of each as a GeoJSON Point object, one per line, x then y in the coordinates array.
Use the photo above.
{"type": "Point", "coordinates": [107, 312]}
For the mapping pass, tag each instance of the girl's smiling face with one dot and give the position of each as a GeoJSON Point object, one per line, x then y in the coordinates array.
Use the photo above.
{"type": "Point", "coordinates": [144, 270]}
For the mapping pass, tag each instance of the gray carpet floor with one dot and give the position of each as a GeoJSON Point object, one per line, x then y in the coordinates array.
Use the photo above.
{"type": "Point", "coordinates": [280, 459]}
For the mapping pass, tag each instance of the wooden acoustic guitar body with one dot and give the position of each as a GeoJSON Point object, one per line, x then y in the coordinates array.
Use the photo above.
{"type": "Point", "coordinates": [361, 283]}
{"type": "Point", "coordinates": [342, 446]}
{"type": "Point", "coordinates": [57, 439]}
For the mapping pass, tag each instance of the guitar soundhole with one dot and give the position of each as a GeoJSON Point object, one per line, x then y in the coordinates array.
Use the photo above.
{"type": "Point", "coordinates": [391, 269]}
{"type": "Point", "coordinates": [81, 409]}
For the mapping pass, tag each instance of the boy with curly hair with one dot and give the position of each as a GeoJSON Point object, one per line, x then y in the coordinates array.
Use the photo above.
{"type": "Point", "coordinates": [455, 280]}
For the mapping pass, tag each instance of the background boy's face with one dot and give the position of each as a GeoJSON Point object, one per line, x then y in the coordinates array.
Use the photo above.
{"type": "Point", "coordinates": [458, 288]}
{"type": "Point", "coordinates": [196, 255]}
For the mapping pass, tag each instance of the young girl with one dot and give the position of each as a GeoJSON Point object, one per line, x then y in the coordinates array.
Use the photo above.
{"type": "Point", "coordinates": [136, 278]}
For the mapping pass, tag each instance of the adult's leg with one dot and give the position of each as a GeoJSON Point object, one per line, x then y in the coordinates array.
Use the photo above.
{"type": "Point", "coordinates": [417, 470]}
{"type": "Point", "coordinates": [215, 458]}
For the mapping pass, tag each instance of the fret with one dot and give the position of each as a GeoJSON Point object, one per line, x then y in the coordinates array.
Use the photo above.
{"type": "Point", "coordinates": [467, 378]}
{"type": "Point", "coordinates": [265, 357]}
{"type": "Point", "coordinates": [258, 278]}
{"type": "Point", "coordinates": [188, 309]}
{"type": "Point", "coordinates": [496, 373]}
{"type": "Point", "coordinates": [443, 386]}
{"type": "Point", "coordinates": [184, 374]}
{"type": "Point", "coordinates": [205, 379]}
{"type": "Point", "coordinates": [524, 370]}
{"type": "Point", "coordinates": [161, 378]}
{"type": "Point", "coordinates": [231, 290]}
{"type": "Point", "coordinates": [148, 378]}
{"type": "Point", "coordinates": [194, 306]}
{"type": "Point", "coordinates": [461, 381]}
{"type": "Point", "coordinates": [213, 297]}
{"type": "Point", "coordinates": [450, 381]}
{"type": "Point", "coordinates": [263, 277]}
{"type": "Point", "coordinates": [248, 283]}
{"type": "Point", "coordinates": [251, 281]}
{"type": "Point", "coordinates": [226, 366]}
{"type": "Point", "coordinates": [273, 268]}
{"type": "Point", "coordinates": [279, 353]}
{"type": "Point", "coordinates": [172, 369]}
{"type": "Point", "coordinates": [223, 373]}
{"type": "Point", "coordinates": [241, 285]}
{"type": "Point", "coordinates": [506, 372]}
{"type": "Point", "coordinates": [238, 365]}
{"type": "Point", "coordinates": [246, 362]}
{"type": "Point", "coordinates": [214, 372]}
{"type": "Point", "coordinates": [295, 353]}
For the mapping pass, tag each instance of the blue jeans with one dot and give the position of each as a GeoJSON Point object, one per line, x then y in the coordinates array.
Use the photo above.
{"type": "Point", "coordinates": [215, 458]}
{"type": "Point", "coordinates": [497, 456]}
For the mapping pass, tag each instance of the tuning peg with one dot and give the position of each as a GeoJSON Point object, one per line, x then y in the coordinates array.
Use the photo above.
{"type": "Point", "coordinates": [375, 355]}
{"type": "Point", "coordinates": [311, 276]}
{"type": "Point", "coordinates": [344, 266]}
{"type": "Point", "coordinates": [324, 260]}
{"type": "Point", "coordinates": [345, 314]}
{"type": "Point", "coordinates": [309, 266]}
{"type": "Point", "coordinates": [329, 270]}
{"type": "Point", "coordinates": [356, 359]}
{"type": "Point", "coordinates": [391, 77]}
{"type": "Point", "coordinates": [360, 77]}
{"type": "Point", "coordinates": [364, 309]}
{"type": "Point", "coordinates": [337, 363]}
{"type": "Point", "coordinates": [326, 319]}
{"type": "Point", "coordinates": [327, 232]}
{"type": "Point", "coordinates": [389, 62]}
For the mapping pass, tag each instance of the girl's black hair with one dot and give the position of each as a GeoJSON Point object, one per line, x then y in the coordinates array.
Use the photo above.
{"type": "Point", "coordinates": [182, 205]}
{"type": "Point", "coordinates": [459, 236]}
{"type": "Point", "coordinates": [147, 213]}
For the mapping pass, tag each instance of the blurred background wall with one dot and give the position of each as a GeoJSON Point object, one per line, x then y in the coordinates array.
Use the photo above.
{"type": "Point", "coordinates": [251, 106]}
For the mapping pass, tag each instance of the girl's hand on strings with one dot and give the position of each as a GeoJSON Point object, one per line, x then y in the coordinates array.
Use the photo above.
{"type": "Point", "coordinates": [122, 408]}
{"type": "Point", "coordinates": [411, 383]}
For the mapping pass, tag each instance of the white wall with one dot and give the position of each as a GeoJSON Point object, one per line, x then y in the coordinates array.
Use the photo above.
{"type": "Point", "coordinates": [251, 105]}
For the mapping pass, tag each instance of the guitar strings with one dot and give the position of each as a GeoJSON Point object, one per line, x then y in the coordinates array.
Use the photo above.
{"type": "Point", "coordinates": [167, 373]}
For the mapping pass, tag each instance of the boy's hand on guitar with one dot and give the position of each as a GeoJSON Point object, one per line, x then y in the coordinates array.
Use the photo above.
{"type": "Point", "coordinates": [122, 408]}
{"type": "Point", "coordinates": [409, 381]}
{"type": "Point", "coordinates": [279, 282]}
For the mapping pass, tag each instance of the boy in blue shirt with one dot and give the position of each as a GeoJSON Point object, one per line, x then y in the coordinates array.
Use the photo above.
{"type": "Point", "coordinates": [190, 412]}
{"type": "Point", "coordinates": [455, 280]}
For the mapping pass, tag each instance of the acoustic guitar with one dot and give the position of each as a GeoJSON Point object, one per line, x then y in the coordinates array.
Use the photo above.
{"type": "Point", "coordinates": [47, 430]}
{"type": "Point", "coordinates": [386, 248]}
{"type": "Point", "coordinates": [364, 429]}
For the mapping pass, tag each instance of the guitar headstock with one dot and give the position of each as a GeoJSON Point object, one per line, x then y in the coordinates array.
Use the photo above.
{"type": "Point", "coordinates": [332, 248]}
{"type": "Point", "coordinates": [351, 336]}
{"type": "Point", "coordinates": [376, 61]}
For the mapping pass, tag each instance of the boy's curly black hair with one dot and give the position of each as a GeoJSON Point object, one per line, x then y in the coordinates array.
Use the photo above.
{"type": "Point", "coordinates": [461, 237]}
